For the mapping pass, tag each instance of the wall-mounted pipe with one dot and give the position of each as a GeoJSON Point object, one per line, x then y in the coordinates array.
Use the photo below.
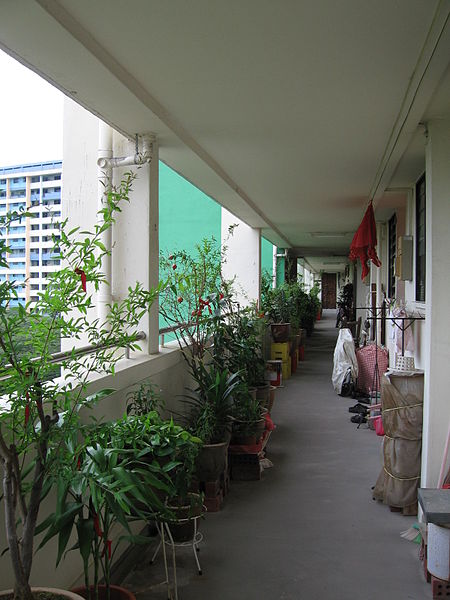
{"type": "Point", "coordinates": [105, 140]}
{"type": "Point", "coordinates": [139, 158]}
{"type": "Point", "coordinates": [106, 163]}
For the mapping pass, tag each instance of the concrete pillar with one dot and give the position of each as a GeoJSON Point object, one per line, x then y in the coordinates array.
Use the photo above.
{"type": "Point", "coordinates": [135, 237]}
{"type": "Point", "coordinates": [243, 258]}
{"type": "Point", "coordinates": [437, 325]}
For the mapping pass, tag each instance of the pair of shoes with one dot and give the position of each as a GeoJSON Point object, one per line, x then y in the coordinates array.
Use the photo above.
{"type": "Point", "coordinates": [358, 408]}
{"type": "Point", "coordinates": [358, 419]}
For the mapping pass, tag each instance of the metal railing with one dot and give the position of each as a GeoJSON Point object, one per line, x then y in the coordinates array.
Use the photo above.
{"type": "Point", "coordinates": [60, 357]}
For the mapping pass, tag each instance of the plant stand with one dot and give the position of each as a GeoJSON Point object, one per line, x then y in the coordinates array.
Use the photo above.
{"type": "Point", "coordinates": [166, 539]}
{"type": "Point", "coordinates": [245, 461]}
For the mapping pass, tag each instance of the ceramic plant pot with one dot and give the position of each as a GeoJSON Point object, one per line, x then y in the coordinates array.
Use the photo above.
{"type": "Point", "coordinates": [182, 527]}
{"type": "Point", "coordinates": [271, 397]}
{"type": "Point", "coordinates": [211, 461]}
{"type": "Point", "coordinates": [263, 394]}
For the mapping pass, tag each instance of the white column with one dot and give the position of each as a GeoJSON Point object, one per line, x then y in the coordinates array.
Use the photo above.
{"type": "Point", "coordinates": [153, 259]}
{"type": "Point", "coordinates": [437, 325]}
{"type": "Point", "coordinates": [243, 258]}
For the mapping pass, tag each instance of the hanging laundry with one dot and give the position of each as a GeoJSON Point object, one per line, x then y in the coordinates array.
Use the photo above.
{"type": "Point", "coordinates": [396, 331]}
{"type": "Point", "coordinates": [364, 242]}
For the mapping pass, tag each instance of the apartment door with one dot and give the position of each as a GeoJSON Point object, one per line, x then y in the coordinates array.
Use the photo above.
{"type": "Point", "coordinates": [328, 290]}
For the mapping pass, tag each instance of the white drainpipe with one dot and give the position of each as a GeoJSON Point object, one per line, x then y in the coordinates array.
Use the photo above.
{"type": "Point", "coordinates": [106, 163]}
{"type": "Point", "coordinates": [274, 268]}
{"type": "Point", "coordinates": [105, 138]}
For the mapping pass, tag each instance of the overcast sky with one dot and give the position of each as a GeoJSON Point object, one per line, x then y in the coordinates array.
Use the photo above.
{"type": "Point", "coordinates": [31, 113]}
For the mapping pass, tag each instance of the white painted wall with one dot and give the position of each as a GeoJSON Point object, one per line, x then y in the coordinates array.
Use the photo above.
{"type": "Point", "coordinates": [437, 325]}
{"type": "Point", "coordinates": [431, 336]}
{"type": "Point", "coordinates": [79, 176]}
{"type": "Point", "coordinates": [243, 258]}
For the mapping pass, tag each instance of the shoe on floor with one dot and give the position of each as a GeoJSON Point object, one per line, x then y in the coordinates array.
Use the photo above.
{"type": "Point", "coordinates": [358, 419]}
{"type": "Point", "coordinates": [358, 408]}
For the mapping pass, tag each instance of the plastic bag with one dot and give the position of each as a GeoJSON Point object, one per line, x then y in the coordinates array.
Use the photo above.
{"type": "Point", "coordinates": [345, 365]}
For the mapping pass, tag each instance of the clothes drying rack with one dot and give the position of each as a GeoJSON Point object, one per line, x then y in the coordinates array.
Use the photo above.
{"type": "Point", "coordinates": [378, 313]}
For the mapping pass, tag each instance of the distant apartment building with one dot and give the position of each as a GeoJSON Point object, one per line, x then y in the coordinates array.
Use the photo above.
{"type": "Point", "coordinates": [36, 188]}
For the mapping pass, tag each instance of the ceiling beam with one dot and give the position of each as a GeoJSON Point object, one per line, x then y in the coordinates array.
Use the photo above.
{"type": "Point", "coordinates": [429, 69]}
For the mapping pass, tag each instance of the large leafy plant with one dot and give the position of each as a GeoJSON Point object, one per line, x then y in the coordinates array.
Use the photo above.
{"type": "Point", "coordinates": [39, 414]}
{"type": "Point", "coordinates": [124, 471]}
{"type": "Point", "coordinates": [195, 302]}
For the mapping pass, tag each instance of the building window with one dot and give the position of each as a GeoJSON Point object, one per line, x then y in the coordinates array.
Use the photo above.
{"type": "Point", "coordinates": [420, 239]}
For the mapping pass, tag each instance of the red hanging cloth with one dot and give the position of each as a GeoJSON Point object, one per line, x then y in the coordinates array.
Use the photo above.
{"type": "Point", "coordinates": [364, 242]}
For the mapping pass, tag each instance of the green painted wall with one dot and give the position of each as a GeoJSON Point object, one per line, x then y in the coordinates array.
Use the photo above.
{"type": "Point", "coordinates": [186, 215]}
{"type": "Point", "coordinates": [266, 256]}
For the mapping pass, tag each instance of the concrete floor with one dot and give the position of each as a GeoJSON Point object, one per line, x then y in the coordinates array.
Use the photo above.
{"type": "Point", "coordinates": [309, 529]}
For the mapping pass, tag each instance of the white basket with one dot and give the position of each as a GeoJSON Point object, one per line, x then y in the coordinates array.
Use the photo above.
{"type": "Point", "coordinates": [404, 363]}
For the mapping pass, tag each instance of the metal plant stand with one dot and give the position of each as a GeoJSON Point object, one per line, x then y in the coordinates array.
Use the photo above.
{"type": "Point", "coordinates": [166, 538]}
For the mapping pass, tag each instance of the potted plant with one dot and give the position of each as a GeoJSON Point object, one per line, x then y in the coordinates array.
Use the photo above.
{"type": "Point", "coordinates": [310, 308]}
{"type": "Point", "coordinates": [275, 304]}
{"type": "Point", "coordinates": [245, 349]}
{"type": "Point", "coordinates": [109, 484]}
{"type": "Point", "coordinates": [175, 450]}
{"type": "Point", "coordinates": [39, 413]}
{"type": "Point", "coordinates": [194, 302]}
{"type": "Point", "coordinates": [210, 404]}
{"type": "Point", "coordinates": [248, 420]}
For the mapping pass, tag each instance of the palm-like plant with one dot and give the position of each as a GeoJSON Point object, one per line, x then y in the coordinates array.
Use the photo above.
{"type": "Point", "coordinates": [211, 402]}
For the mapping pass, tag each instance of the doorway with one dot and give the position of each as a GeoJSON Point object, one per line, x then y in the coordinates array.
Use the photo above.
{"type": "Point", "coordinates": [328, 290]}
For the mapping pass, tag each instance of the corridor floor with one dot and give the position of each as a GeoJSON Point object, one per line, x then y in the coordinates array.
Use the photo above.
{"type": "Point", "coordinates": [309, 530]}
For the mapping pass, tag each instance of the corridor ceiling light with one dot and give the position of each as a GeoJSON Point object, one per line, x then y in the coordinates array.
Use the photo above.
{"type": "Point", "coordinates": [329, 234]}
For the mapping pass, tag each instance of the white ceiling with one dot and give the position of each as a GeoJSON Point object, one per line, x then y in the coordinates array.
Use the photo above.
{"type": "Point", "coordinates": [292, 114]}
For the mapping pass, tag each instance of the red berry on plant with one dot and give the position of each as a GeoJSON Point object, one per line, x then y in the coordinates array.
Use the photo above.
{"type": "Point", "coordinates": [174, 266]}
{"type": "Point", "coordinates": [179, 299]}
{"type": "Point", "coordinates": [171, 257]}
